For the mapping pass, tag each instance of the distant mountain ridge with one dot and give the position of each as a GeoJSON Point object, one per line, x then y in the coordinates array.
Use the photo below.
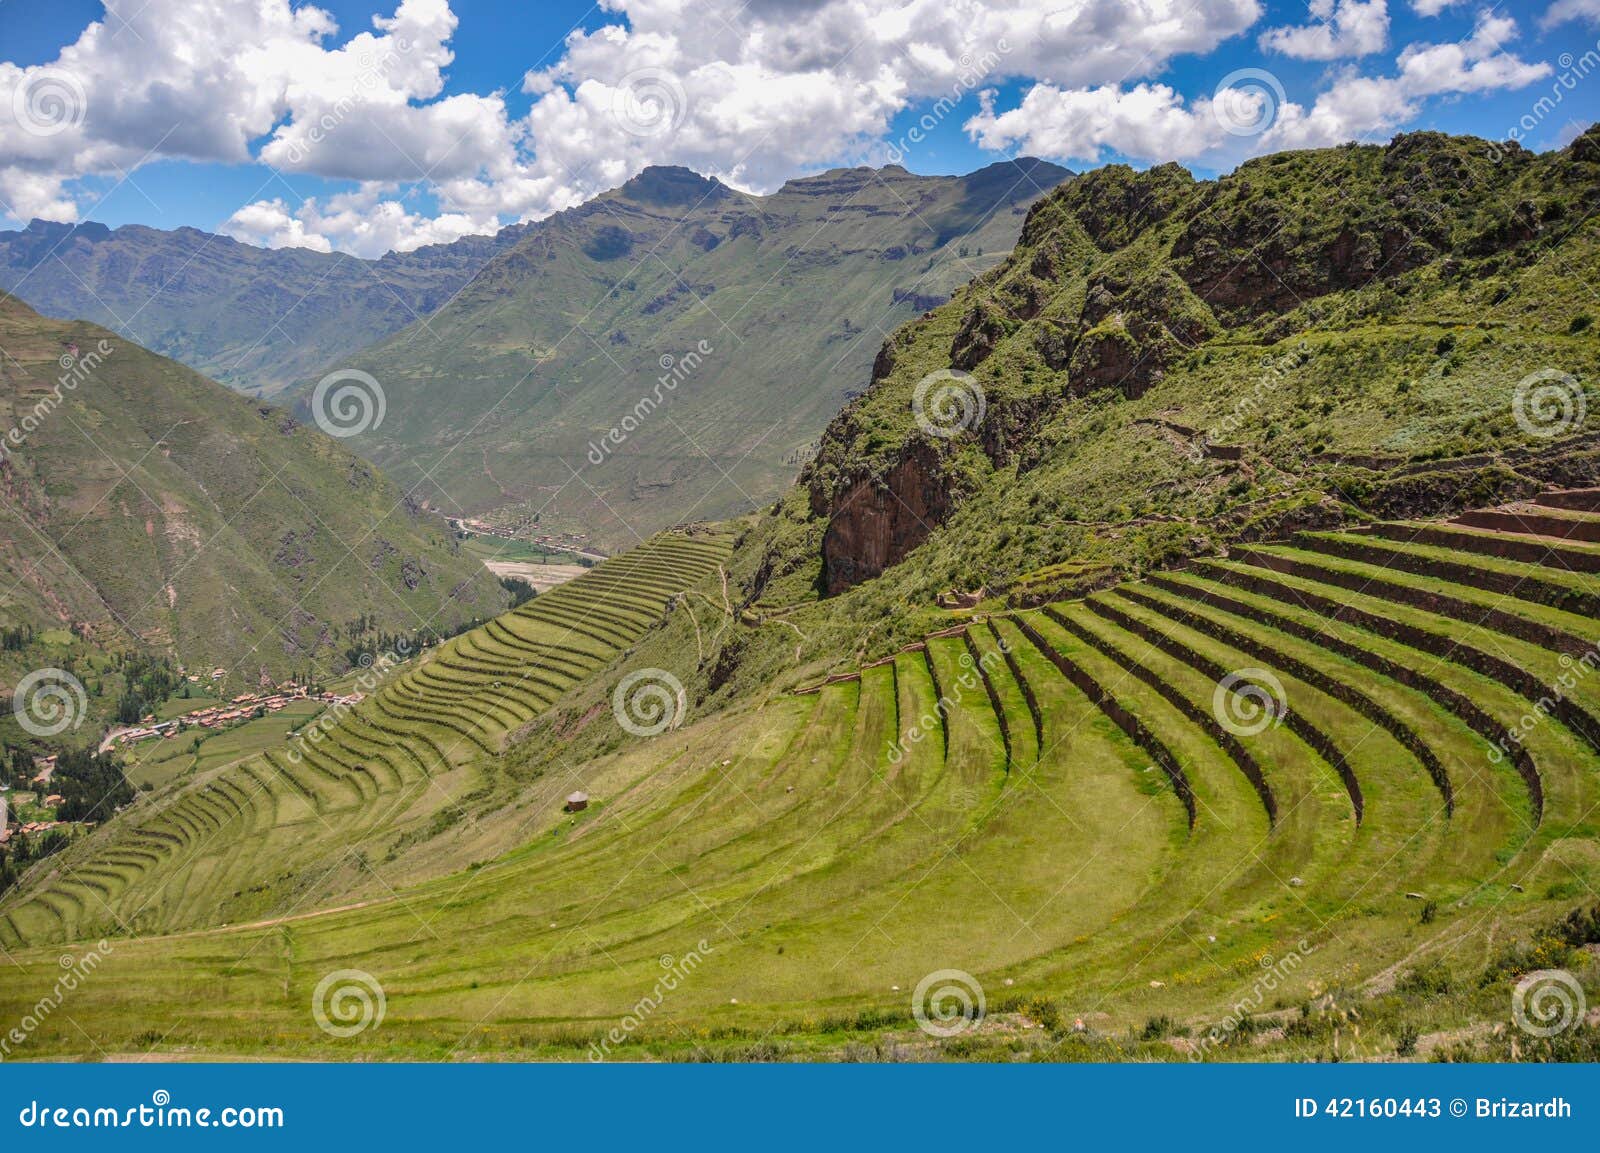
{"type": "Point", "coordinates": [142, 505]}
{"type": "Point", "coordinates": [699, 336]}
{"type": "Point", "coordinates": [256, 319]}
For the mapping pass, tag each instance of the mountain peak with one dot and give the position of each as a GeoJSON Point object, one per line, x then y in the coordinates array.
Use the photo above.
{"type": "Point", "coordinates": [672, 184]}
{"type": "Point", "coordinates": [54, 230]}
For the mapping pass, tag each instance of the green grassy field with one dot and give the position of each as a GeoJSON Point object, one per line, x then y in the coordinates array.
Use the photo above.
{"type": "Point", "coordinates": [1092, 829]}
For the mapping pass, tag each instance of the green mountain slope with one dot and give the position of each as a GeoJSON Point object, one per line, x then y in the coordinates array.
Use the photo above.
{"type": "Point", "coordinates": [713, 331]}
{"type": "Point", "coordinates": [1165, 363]}
{"type": "Point", "coordinates": [255, 319]}
{"type": "Point", "coordinates": [143, 504]}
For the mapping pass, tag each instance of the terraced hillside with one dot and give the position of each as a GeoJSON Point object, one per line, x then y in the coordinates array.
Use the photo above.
{"type": "Point", "coordinates": [380, 778]}
{"type": "Point", "coordinates": [1341, 759]}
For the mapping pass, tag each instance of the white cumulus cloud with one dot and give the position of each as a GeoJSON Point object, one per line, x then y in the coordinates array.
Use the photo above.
{"type": "Point", "coordinates": [1565, 11]}
{"type": "Point", "coordinates": [1250, 112]}
{"type": "Point", "coordinates": [751, 91]}
{"type": "Point", "coordinates": [1339, 28]}
{"type": "Point", "coordinates": [1357, 106]}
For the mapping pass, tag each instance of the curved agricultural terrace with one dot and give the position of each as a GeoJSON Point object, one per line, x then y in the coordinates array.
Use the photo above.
{"type": "Point", "coordinates": [296, 822]}
{"type": "Point", "coordinates": [1134, 805]}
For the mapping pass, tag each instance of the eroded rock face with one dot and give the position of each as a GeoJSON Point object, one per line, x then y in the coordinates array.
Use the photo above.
{"type": "Point", "coordinates": [982, 329]}
{"type": "Point", "coordinates": [1109, 358]}
{"type": "Point", "coordinates": [875, 523]}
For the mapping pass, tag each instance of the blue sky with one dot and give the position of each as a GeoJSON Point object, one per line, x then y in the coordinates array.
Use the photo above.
{"type": "Point", "coordinates": [475, 113]}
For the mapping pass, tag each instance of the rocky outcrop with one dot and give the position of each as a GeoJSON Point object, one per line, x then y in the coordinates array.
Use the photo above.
{"type": "Point", "coordinates": [983, 327]}
{"type": "Point", "coordinates": [1107, 357]}
{"type": "Point", "coordinates": [876, 522]}
{"type": "Point", "coordinates": [1115, 204]}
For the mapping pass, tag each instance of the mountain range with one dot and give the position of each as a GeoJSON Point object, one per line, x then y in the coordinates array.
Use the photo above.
{"type": "Point", "coordinates": [1210, 578]}
{"type": "Point", "coordinates": [670, 350]}
{"type": "Point", "coordinates": [666, 351]}
{"type": "Point", "coordinates": [256, 319]}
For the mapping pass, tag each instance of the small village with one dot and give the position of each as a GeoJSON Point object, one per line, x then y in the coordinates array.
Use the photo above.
{"type": "Point", "coordinates": [27, 827]}
{"type": "Point", "coordinates": [45, 766]}
{"type": "Point", "coordinates": [521, 532]}
{"type": "Point", "coordinates": [242, 707]}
